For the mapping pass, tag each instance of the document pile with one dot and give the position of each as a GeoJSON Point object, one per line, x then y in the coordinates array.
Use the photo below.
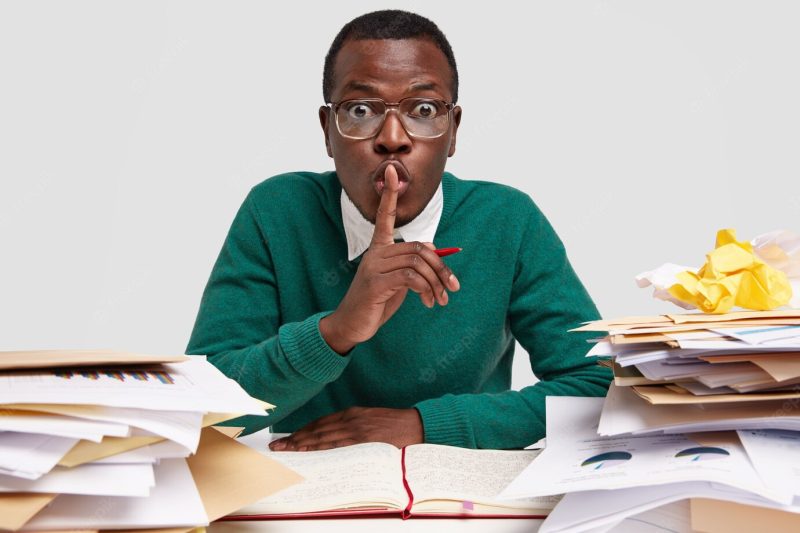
{"type": "Point", "coordinates": [695, 372]}
{"type": "Point", "coordinates": [609, 479]}
{"type": "Point", "coordinates": [703, 407]}
{"type": "Point", "coordinates": [112, 440]}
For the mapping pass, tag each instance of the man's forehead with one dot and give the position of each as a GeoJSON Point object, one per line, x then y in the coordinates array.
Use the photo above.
{"type": "Point", "coordinates": [371, 66]}
{"type": "Point", "coordinates": [375, 86]}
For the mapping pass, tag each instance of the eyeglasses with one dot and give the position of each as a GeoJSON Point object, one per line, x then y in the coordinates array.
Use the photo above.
{"type": "Point", "coordinates": [425, 118]}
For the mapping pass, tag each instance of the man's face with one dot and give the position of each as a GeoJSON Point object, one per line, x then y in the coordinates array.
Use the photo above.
{"type": "Point", "coordinates": [390, 70]}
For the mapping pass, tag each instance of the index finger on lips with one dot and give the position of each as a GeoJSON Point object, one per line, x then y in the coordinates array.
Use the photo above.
{"type": "Point", "coordinates": [387, 209]}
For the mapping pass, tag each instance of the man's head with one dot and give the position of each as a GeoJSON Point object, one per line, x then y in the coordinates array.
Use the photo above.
{"type": "Point", "coordinates": [390, 56]}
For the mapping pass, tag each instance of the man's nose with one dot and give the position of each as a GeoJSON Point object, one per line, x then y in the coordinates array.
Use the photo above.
{"type": "Point", "coordinates": [392, 137]}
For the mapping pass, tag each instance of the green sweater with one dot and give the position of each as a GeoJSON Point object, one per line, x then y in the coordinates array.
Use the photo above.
{"type": "Point", "coordinates": [284, 266]}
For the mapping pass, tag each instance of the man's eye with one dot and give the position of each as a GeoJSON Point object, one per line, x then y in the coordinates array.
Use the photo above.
{"type": "Point", "coordinates": [360, 110]}
{"type": "Point", "coordinates": [425, 110]}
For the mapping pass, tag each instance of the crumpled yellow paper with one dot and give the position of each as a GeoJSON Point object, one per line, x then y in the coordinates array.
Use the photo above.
{"type": "Point", "coordinates": [732, 275]}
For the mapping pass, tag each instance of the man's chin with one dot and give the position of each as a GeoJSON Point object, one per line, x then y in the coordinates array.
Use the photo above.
{"type": "Point", "coordinates": [400, 220]}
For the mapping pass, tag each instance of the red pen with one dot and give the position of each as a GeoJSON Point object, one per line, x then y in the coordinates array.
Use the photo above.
{"type": "Point", "coordinates": [444, 252]}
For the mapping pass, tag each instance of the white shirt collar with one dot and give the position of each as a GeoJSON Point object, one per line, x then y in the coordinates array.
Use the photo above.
{"type": "Point", "coordinates": [358, 230]}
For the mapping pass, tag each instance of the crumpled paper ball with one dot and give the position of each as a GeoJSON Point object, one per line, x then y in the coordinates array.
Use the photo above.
{"type": "Point", "coordinates": [734, 274]}
{"type": "Point", "coordinates": [781, 249]}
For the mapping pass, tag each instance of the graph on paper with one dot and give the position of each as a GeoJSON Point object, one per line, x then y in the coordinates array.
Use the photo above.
{"type": "Point", "coordinates": [106, 380]}
{"type": "Point", "coordinates": [191, 385]}
{"type": "Point", "coordinates": [157, 376]}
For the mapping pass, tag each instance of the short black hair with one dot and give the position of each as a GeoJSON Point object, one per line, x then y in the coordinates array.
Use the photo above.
{"type": "Point", "coordinates": [387, 24]}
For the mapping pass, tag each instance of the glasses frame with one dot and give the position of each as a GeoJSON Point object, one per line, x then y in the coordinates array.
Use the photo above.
{"type": "Point", "coordinates": [389, 106]}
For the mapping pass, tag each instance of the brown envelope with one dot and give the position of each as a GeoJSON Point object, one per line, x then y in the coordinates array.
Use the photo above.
{"type": "Point", "coordinates": [715, 516]}
{"type": "Point", "coordinates": [634, 338]}
{"type": "Point", "coordinates": [17, 508]}
{"type": "Point", "coordinates": [715, 438]}
{"type": "Point", "coordinates": [230, 475]}
{"type": "Point", "coordinates": [738, 315]}
{"type": "Point", "coordinates": [659, 395]}
{"type": "Point", "coordinates": [61, 358]}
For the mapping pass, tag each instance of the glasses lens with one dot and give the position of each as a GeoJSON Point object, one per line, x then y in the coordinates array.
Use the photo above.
{"type": "Point", "coordinates": [360, 118]}
{"type": "Point", "coordinates": [424, 118]}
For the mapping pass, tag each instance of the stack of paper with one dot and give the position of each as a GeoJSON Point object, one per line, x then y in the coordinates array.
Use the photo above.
{"type": "Point", "coordinates": [111, 440]}
{"type": "Point", "coordinates": [696, 372]}
{"type": "Point", "coordinates": [608, 479]}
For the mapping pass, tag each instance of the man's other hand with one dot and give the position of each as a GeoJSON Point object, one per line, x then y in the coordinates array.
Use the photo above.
{"type": "Point", "coordinates": [355, 425]}
{"type": "Point", "coordinates": [386, 273]}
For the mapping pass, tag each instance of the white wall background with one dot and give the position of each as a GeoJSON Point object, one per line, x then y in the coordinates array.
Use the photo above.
{"type": "Point", "coordinates": [131, 131]}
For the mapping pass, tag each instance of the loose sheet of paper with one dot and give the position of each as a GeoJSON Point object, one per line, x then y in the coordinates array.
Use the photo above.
{"type": "Point", "coordinates": [775, 456]}
{"type": "Point", "coordinates": [60, 426]}
{"type": "Point", "coordinates": [582, 460]}
{"type": "Point", "coordinates": [29, 456]}
{"type": "Point", "coordinates": [625, 413]}
{"type": "Point", "coordinates": [591, 510]}
{"type": "Point", "coordinates": [173, 502]}
{"type": "Point", "coordinates": [182, 427]}
{"type": "Point", "coordinates": [108, 480]}
{"type": "Point", "coordinates": [760, 335]}
{"type": "Point", "coordinates": [194, 385]}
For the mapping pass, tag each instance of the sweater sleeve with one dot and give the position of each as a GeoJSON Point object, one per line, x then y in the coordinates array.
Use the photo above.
{"type": "Point", "coordinates": [239, 328]}
{"type": "Point", "coordinates": [547, 299]}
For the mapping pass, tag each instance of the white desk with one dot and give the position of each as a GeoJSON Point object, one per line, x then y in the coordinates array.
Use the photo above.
{"type": "Point", "coordinates": [384, 525]}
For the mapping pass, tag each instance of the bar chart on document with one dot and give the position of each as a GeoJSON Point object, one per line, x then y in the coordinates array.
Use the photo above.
{"type": "Point", "coordinates": [186, 386]}
{"type": "Point", "coordinates": [154, 376]}
{"type": "Point", "coordinates": [113, 379]}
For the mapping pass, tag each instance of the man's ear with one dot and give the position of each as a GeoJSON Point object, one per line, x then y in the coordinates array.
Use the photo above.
{"type": "Point", "coordinates": [456, 122]}
{"type": "Point", "coordinates": [324, 120]}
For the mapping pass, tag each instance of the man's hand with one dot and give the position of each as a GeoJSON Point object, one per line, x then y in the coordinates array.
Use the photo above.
{"type": "Point", "coordinates": [386, 273]}
{"type": "Point", "coordinates": [355, 425]}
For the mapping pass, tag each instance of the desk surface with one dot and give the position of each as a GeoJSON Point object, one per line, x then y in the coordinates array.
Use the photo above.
{"type": "Point", "coordinates": [384, 525]}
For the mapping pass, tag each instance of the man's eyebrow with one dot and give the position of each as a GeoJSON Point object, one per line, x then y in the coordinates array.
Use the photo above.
{"type": "Point", "coordinates": [360, 86]}
{"type": "Point", "coordinates": [424, 86]}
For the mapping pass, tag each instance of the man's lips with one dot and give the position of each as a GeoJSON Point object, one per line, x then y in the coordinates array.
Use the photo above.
{"type": "Point", "coordinates": [379, 176]}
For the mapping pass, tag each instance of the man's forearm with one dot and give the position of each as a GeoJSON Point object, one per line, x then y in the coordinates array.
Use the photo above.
{"type": "Point", "coordinates": [287, 369]}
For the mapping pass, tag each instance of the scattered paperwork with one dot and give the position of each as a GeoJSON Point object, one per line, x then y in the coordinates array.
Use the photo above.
{"type": "Point", "coordinates": [722, 387]}
{"type": "Point", "coordinates": [122, 445]}
{"type": "Point", "coordinates": [582, 460]}
{"type": "Point", "coordinates": [610, 479]}
{"type": "Point", "coordinates": [704, 359]}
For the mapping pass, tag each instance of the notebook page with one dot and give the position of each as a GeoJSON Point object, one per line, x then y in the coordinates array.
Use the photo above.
{"type": "Point", "coordinates": [437, 472]}
{"type": "Point", "coordinates": [354, 476]}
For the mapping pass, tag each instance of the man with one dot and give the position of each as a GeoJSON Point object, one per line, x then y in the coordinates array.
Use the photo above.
{"type": "Point", "coordinates": [308, 305]}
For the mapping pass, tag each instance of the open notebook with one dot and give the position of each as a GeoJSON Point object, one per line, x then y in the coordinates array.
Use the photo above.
{"type": "Point", "coordinates": [422, 480]}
